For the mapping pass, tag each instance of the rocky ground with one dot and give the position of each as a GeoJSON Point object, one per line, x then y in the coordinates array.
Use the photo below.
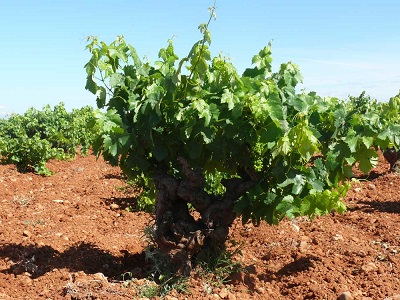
{"type": "Point", "coordinates": [76, 235]}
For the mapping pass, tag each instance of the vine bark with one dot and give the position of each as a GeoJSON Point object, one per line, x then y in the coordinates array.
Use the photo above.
{"type": "Point", "coordinates": [393, 157]}
{"type": "Point", "coordinates": [177, 232]}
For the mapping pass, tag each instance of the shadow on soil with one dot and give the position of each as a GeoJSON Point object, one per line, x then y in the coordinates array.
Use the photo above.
{"type": "Point", "coordinates": [124, 203]}
{"type": "Point", "coordinates": [373, 206]}
{"type": "Point", "coordinates": [115, 176]}
{"type": "Point", "coordinates": [38, 260]}
{"type": "Point", "coordinates": [371, 176]}
{"type": "Point", "coordinates": [298, 265]}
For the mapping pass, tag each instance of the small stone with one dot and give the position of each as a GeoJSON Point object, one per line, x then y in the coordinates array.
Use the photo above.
{"type": "Point", "coordinates": [370, 267]}
{"type": "Point", "coordinates": [232, 296]}
{"type": "Point", "coordinates": [5, 296]}
{"type": "Point", "coordinates": [303, 246]}
{"type": "Point", "coordinates": [26, 280]}
{"type": "Point", "coordinates": [44, 292]}
{"type": "Point", "coordinates": [207, 288]}
{"type": "Point", "coordinates": [345, 296]}
{"type": "Point", "coordinates": [296, 227]}
{"type": "Point", "coordinates": [114, 206]}
{"type": "Point", "coordinates": [362, 253]}
{"type": "Point", "coordinates": [26, 233]}
{"type": "Point", "coordinates": [260, 290]}
{"type": "Point", "coordinates": [337, 237]}
{"type": "Point", "coordinates": [100, 276]}
{"type": "Point", "coordinates": [170, 298]}
{"type": "Point", "coordinates": [357, 294]}
{"type": "Point", "coordinates": [223, 293]}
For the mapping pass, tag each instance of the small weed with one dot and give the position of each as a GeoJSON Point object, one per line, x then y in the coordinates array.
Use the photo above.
{"type": "Point", "coordinates": [162, 277]}
{"type": "Point", "coordinates": [146, 203]}
{"type": "Point", "coordinates": [217, 265]}
{"type": "Point", "coordinates": [128, 279]}
{"type": "Point", "coordinates": [153, 287]}
{"type": "Point", "coordinates": [129, 188]}
{"type": "Point", "coordinates": [145, 198]}
{"type": "Point", "coordinates": [26, 264]}
{"type": "Point", "coordinates": [214, 264]}
{"type": "Point", "coordinates": [33, 223]}
{"type": "Point", "coordinates": [22, 200]}
{"type": "Point", "coordinates": [149, 290]}
{"type": "Point", "coordinates": [163, 273]}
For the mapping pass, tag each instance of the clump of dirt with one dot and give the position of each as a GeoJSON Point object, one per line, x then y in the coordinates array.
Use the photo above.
{"type": "Point", "coordinates": [76, 235]}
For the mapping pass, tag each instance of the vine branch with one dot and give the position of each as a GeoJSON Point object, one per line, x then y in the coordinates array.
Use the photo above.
{"type": "Point", "coordinates": [203, 42]}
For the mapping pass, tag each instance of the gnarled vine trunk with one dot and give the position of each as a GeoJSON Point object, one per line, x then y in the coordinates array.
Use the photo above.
{"type": "Point", "coordinates": [177, 232]}
{"type": "Point", "coordinates": [393, 157]}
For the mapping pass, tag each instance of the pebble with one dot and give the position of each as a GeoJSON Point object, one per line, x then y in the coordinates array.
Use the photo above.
{"type": "Point", "coordinates": [232, 296]}
{"type": "Point", "coordinates": [362, 253]}
{"type": "Point", "coordinates": [345, 296]}
{"type": "Point", "coordinates": [26, 280]}
{"type": "Point", "coordinates": [44, 292]}
{"type": "Point", "coordinates": [303, 246]}
{"type": "Point", "coordinates": [260, 290]}
{"type": "Point", "coordinates": [114, 206]}
{"type": "Point", "coordinates": [100, 276]}
{"type": "Point", "coordinates": [337, 237]}
{"type": "Point", "coordinates": [223, 293]}
{"type": "Point", "coordinates": [357, 294]}
{"type": "Point", "coordinates": [5, 296]}
{"type": "Point", "coordinates": [370, 267]}
{"type": "Point", "coordinates": [295, 227]}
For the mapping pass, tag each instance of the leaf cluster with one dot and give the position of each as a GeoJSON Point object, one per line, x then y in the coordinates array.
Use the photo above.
{"type": "Point", "coordinates": [299, 147]}
{"type": "Point", "coordinates": [31, 139]}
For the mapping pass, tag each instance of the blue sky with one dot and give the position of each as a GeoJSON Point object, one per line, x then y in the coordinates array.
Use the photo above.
{"type": "Point", "coordinates": [342, 47]}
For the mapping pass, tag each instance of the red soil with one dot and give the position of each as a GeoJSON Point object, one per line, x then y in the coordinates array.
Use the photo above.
{"type": "Point", "coordinates": [72, 236]}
